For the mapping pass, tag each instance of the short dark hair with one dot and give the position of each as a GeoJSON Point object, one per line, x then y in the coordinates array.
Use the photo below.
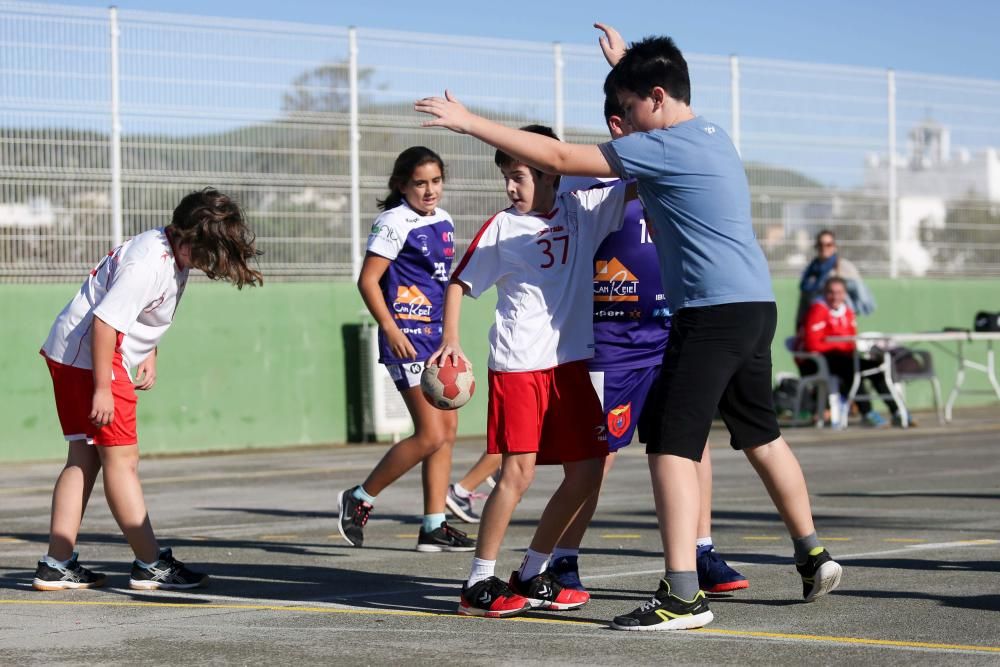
{"type": "Point", "coordinates": [612, 107]}
{"type": "Point", "coordinates": [825, 232]}
{"type": "Point", "coordinates": [402, 170]}
{"type": "Point", "coordinates": [834, 279]}
{"type": "Point", "coordinates": [505, 160]}
{"type": "Point", "coordinates": [213, 225]}
{"type": "Point", "coordinates": [651, 62]}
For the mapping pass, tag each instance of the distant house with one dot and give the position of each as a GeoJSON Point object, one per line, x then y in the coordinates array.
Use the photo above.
{"type": "Point", "coordinates": [36, 212]}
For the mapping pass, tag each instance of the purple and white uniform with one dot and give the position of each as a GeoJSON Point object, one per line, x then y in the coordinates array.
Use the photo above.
{"type": "Point", "coordinates": [421, 249]}
{"type": "Point", "coordinates": [631, 320]}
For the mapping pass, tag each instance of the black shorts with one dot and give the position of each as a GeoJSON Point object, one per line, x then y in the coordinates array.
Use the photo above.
{"type": "Point", "coordinates": [716, 357]}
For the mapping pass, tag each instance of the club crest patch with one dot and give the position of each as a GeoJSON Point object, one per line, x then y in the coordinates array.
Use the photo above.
{"type": "Point", "coordinates": [619, 419]}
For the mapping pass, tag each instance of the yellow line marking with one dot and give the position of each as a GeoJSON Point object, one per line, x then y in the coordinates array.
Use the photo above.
{"type": "Point", "coordinates": [10, 540]}
{"type": "Point", "coordinates": [851, 640]}
{"type": "Point", "coordinates": [983, 541]}
{"type": "Point", "coordinates": [904, 540]}
{"type": "Point", "coordinates": [407, 535]}
{"type": "Point", "coordinates": [761, 538]}
{"type": "Point", "coordinates": [621, 536]}
{"type": "Point", "coordinates": [432, 614]}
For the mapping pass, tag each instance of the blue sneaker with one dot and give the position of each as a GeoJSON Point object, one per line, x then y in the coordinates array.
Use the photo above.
{"type": "Point", "coordinates": [715, 575]}
{"type": "Point", "coordinates": [566, 572]}
{"type": "Point", "coordinates": [874, 420]}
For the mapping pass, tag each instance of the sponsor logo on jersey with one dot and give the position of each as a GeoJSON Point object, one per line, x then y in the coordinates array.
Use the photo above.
{"type": "Point", "coordinates": [422, 239]}
{"type": "Point", "coordinates": [550, 230]}
{"type": "Point", "coordinates": [614, 282]}
{"type": "Point", "coordinates": [411, 304]}
{"type": "Point", "coordinates": [619, 419]}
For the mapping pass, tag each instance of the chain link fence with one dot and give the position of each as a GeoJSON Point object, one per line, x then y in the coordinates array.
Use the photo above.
{"type": "Point", "coordinates": [108, 117]}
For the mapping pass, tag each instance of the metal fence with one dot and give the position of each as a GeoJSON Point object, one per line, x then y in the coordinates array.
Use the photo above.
{"type": "Point", "coordinates": [108, 117]}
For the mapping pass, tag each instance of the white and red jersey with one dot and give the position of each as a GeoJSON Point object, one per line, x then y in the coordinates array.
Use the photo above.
{"type": "Point", "coordinates": [134, 289]}
{"type": "Point", "coordinates": [543, 269]}
{"type": "Point", "coordinates": [823, 321]}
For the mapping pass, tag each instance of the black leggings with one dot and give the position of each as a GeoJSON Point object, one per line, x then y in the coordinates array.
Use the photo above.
{"type": "Point", "coordinates": [842, 367]}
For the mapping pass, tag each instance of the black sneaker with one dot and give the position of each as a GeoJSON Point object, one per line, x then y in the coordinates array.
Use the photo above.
{"type": "Point", "coordinates": [353, 517]}
{"type": "Point", "coordinates": [64, 577]}
{"type": "Point", "coordinates": [544, 592]}
{"type": "Point", "coordinates": [168, 573]}
{"type": "Point", "coordinates": [667, 612]}
{"type": "Point", "coordinates": [820, 574]}
{"type": "Point", "coordinates": [491, 598]}
{"type": "Point", "coordinates": [444, 538]}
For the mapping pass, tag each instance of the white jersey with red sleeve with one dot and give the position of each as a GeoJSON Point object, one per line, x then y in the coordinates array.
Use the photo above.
{"type": "Point", "coordinates": [543, 269]}
{"type": "Point", "coordinates": [135, 289]}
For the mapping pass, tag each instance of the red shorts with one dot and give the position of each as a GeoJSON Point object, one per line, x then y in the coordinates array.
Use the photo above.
{"type": "Point", "coordinates": [554, 412]}
{"type": "Point", "coordinates": [74, 389]}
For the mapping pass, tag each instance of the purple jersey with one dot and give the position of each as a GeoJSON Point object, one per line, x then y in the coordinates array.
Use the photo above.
{"type": "Point", "coordinates": [631, 316]}
{"type": "Point", "coordinates": [421, 249]}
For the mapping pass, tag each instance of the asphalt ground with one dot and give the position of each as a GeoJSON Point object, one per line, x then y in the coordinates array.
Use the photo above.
{"type": "Point", "coordinates": [914, 517]}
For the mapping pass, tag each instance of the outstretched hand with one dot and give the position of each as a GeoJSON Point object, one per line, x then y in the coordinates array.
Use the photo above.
{"type": "Point", "coordinates": [448, 111]}
{"type": "Point", "coordinates": [612, 44]}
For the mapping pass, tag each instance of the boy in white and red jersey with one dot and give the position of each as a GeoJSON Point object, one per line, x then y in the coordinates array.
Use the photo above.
{"type": "Point", "coordinates": [542, 408]}
{"type": "Point", "coordinates": [104, 336]}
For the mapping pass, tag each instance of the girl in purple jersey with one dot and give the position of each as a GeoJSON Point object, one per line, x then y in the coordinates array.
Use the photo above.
{"type": "Point", "coordinates": [402, 282]}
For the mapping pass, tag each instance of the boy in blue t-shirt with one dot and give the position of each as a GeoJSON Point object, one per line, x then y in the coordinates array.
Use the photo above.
{"type": "Point", "coordinates": [631, 325]}
{"type": "Point", "coordinates": [716, 279]}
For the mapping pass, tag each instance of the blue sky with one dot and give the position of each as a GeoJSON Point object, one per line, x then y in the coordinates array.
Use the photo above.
{"type": "Point", "coordinates": [956, 38]}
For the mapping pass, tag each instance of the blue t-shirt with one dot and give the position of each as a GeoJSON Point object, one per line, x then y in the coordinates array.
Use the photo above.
{"type": "Point", "coordinates": [631, 316]}
{"type": "Point", "coordinates": [692, 183]}
{"type": "Point", "coordinates": [421, 248]}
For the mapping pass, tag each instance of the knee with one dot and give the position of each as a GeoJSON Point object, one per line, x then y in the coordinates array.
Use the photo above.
{"type": "Point", "coordinates": [517, 478]}
{"type": "Point", "coordinates": [431, 441]}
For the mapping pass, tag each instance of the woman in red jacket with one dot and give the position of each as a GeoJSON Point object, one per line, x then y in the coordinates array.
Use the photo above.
{"type": "Point", "coordinates": [831, 316]}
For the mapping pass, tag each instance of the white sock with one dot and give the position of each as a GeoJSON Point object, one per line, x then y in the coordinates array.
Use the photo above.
{"type": "Point", "coordinates": [481, 569]}
{"type": "Point", "coordinates": [461, 491]}
{"type": "Point", "coordinates": [532, 565]}
{"type": "Point", "coordinates": [559, 552]}
{"type": "Point", "coordinates": [703, 542]}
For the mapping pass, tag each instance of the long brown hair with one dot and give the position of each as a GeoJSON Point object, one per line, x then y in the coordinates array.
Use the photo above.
{"type": "Point", "coordinates": [214, 227]}
{"type": "Point", "coordinates": [406, 163]}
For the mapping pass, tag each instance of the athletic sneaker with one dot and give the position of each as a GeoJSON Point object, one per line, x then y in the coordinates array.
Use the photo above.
{"type": "Point", "coordinates": [544, 592]}
{"type": "Point", "coordinates": [715, 575]}
{"type": "Point", "coordinates": [168, 573]}
{"type": "Point", "coordinates": [566, 572]}
{"type": "Point", "coordinates": [820, 574]}
{"type": "Point", "coordinates": [444, 538]}
{"type": "Point", "coordinates": [353, 517]}
{"type": "Point", "coordinates": [491, 598]}
{"type": "Point", "coordinates": [64, 577]}
{"type": "Point", "coordinates": [665, 611]}
{"type": "Point", "coordinates": [874, 420]}
{"type": "Point", "coordinates": [897, 420]}
{"type": "Point", "coordinates": [461, 507]}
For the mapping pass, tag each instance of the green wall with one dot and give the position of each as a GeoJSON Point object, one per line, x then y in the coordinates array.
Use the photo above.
{"type": "Point", "coordinates": [264, 367]}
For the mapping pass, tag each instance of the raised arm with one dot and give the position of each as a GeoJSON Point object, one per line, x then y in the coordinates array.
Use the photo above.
{"type": "Point", "coordinates": [542, 153]}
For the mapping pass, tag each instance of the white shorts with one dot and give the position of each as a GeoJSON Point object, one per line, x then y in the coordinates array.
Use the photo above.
{"type": "Point", "coordinates": [406, 375]}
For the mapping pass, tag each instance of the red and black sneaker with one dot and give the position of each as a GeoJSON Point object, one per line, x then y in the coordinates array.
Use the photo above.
{"type": "Point", "coordinates": [491, 598]}
{"type": "Point", "coordinates": [544, 592]}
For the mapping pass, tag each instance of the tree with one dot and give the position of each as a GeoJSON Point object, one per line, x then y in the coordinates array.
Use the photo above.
{"type": "Point", "coordinates": [324, 89]}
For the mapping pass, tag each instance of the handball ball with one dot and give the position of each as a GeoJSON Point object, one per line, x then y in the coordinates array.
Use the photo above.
{"type": "Point", "coordinates": [448, 387]}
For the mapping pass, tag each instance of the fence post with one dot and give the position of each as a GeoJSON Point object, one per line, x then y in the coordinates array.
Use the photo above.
{"type": "Point", "coordinates": [734, 99]}
{"type": "Point", "coordinates": [893, 193]}
{"type": "Point", "coordinates": [354, 141]}
{"type": "Point", "coordinates": [560, 113]}
{"type": "Point", "coordinates": [117, 225]}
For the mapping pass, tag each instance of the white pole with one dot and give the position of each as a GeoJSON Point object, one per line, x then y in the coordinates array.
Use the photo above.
{"type": "Point", "coordinates": [117, 225]}
{"type": "Point", "coordinates": [354, 140]}
{"type": "Point", "coordinates": [893, 193]}
{"type": "Point", "coordinates": [560, 113]}
{"type": "Point", "coordinates": [734, 97]}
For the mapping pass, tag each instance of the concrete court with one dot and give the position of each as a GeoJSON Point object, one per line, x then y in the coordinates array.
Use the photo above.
{"type": "Point", "coordinates": [914, 516]}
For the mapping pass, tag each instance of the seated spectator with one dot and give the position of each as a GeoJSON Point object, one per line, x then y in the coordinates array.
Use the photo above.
{"type": "Point", "coordinates": [827, 264]}
{"type": "Point", "coordinates": [832, 316]}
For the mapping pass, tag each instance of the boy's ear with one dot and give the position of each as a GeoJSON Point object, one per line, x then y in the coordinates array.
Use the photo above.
{"type": "Point", "coordinates": [659, 96]}
{"type": "Point", "coordinates": [615, 126]}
